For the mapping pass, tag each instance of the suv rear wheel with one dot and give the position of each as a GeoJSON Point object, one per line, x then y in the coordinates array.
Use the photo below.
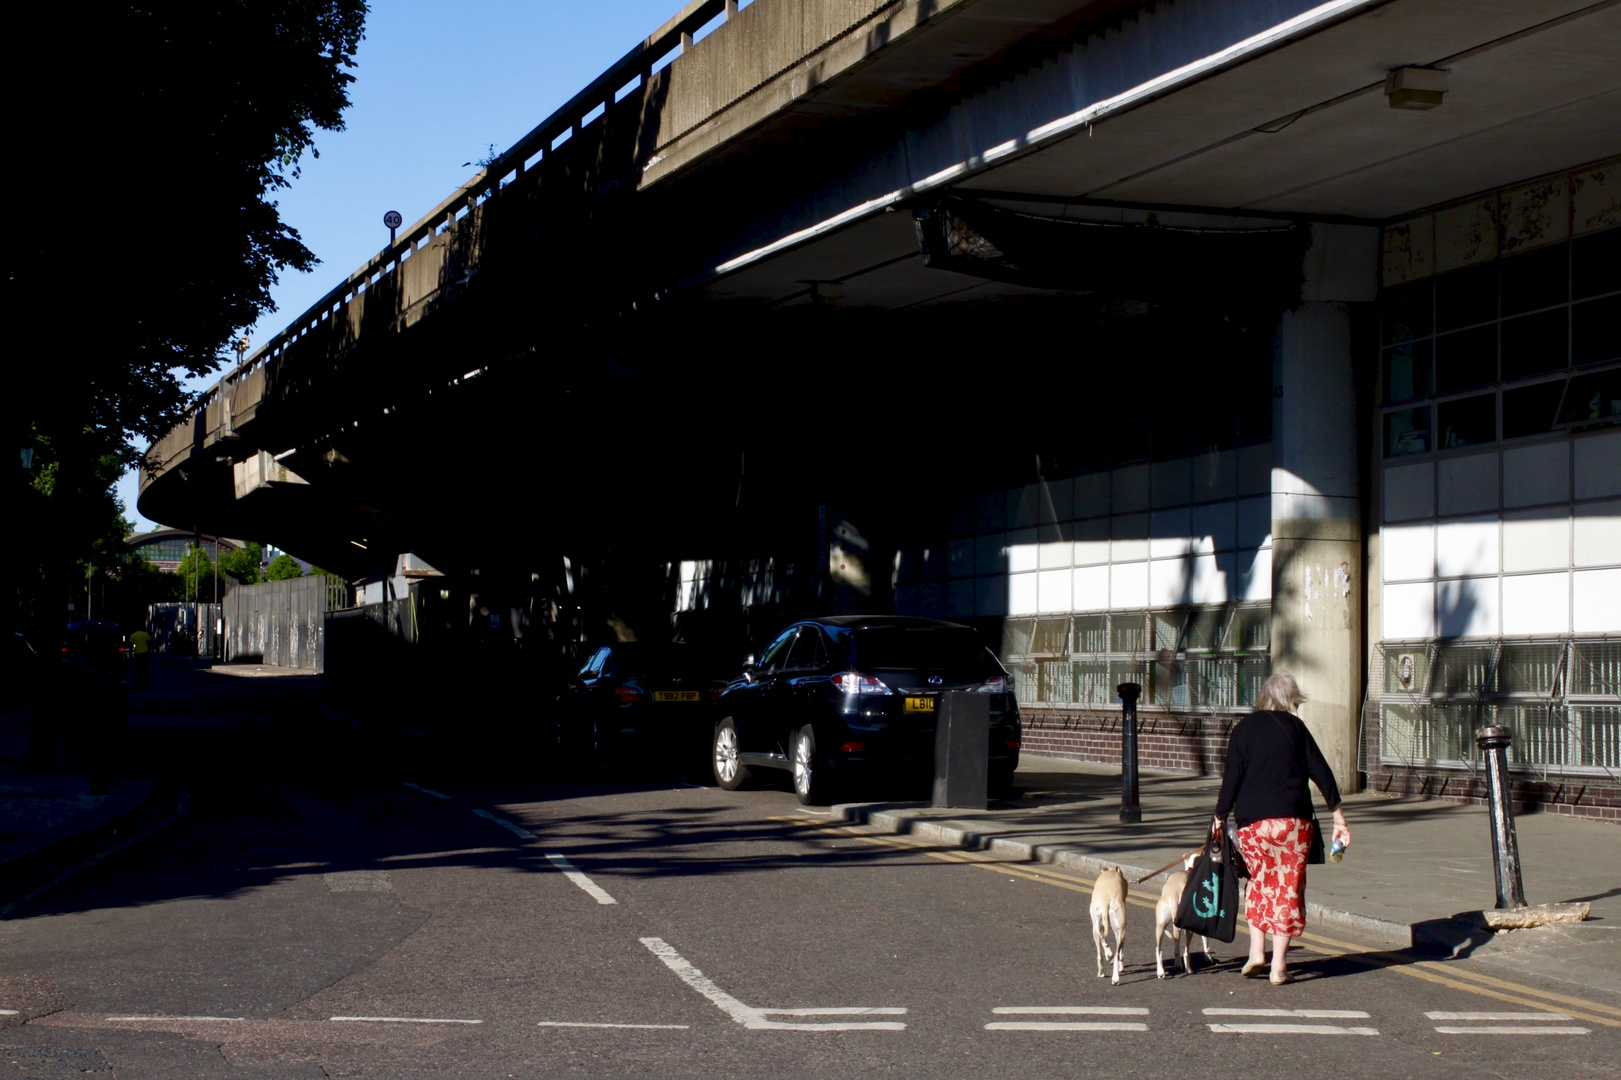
{"type": "Point", "coordinates": [811, 782]}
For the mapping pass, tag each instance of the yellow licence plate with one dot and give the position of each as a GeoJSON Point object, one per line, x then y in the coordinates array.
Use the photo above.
{"type": "Point", "coordinates": [675, 695]}
{"type": "Point", "coordinates": [920, 704]}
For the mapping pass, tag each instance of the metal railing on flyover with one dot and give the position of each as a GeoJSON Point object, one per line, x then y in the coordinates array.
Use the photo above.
{"type": "Point", "coordinates": [636, 66]}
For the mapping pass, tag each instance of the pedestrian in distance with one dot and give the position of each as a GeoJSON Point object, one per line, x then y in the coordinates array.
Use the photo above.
{"type": "Point", "coordinates": [140, 647]}
{"type": "Point", "coordinates": [1270, 757]}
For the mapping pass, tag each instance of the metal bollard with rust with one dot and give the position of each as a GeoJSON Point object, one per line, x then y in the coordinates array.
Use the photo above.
{"type": "Point", "coordinates": [1494, 743]}
{"type": "Point", "coordinates": [1130, 811]}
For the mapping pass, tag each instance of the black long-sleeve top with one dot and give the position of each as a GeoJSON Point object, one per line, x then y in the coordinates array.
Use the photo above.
{"type": "Point", "coordinates": [1270, 755]}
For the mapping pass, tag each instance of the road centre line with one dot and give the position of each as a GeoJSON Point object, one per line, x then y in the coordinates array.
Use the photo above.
{"type": "Point", "coordinates": [519, 830]}
{"type": "Point", "coordinates": [1495, 1015]}
{"type": "Point", "coordinates": [588, 886]}
{"type": "Point", "coordinates": [427, 791]}
{"type": "Point", "coordinates": [1290, 1029]}
{"type": "Point", "coordinates": [1304, 1014]}
{"type": "Point", "coordinates": [8, 1012]}
{"type": "Point", "coordinates": [1512, 1029]}
{"type": "Point", "coordinates": [1427, 970]}
{"type": "Point", "coordinates": [1069, 1010]}
{"type": "Point", "coordinates": [749, 1017]}
{"type": "Point", "coordinates": [639, 1027]}
{"type": "Point", "coordinates": [399, 1020]}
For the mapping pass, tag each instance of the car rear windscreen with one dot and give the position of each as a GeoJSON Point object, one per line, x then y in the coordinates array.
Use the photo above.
{"type": "Point", "coordinates": [896, 648]}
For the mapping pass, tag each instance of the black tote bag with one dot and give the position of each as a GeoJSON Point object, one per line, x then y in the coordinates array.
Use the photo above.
{"type": "Point", "coordinates": [1209, 905]}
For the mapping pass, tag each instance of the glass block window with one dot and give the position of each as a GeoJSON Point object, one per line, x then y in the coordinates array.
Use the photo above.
{"type": "Point", "coordinates": [1198, 658]}
{"type": "Point", "coordinates": [1561, 698]}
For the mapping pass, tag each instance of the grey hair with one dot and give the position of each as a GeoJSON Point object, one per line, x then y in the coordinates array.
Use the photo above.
{"type": "Point", "coordinates": [1280, 693]}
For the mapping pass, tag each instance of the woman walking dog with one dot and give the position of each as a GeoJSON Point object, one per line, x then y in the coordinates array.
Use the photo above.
{"type": "Point", "coordinates": [1270, 756]}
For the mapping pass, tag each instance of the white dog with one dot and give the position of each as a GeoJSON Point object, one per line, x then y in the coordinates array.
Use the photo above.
{"type": "Point", "coordinates": [1170, 896]}
{"type": "Point", "coordinates": [1109, 916]}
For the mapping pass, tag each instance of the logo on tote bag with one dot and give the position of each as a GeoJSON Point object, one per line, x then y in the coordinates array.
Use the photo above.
{"type": "Point", "coordinates": [1209, 907]}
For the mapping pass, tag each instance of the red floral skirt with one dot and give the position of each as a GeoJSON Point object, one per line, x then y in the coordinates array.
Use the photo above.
{"type": "Point", "coordinates": [1275, 851]}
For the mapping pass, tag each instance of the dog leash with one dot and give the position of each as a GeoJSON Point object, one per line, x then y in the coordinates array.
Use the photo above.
{"type": "Point", "coordinates": [1179, 859]}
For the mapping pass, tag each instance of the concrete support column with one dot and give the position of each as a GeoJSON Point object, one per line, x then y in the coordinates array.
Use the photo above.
{"type": "Point", "coordinates": [1317, 531]}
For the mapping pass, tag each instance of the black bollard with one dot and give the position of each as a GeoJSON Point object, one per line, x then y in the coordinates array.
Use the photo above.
{"type": "Point", "coordinates": [1494, 743]}
{"type": "Point", "coordinates": [1130, 811]}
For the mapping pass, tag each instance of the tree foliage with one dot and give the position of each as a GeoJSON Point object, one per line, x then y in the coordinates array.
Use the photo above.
{"type": "Point", "coordinates": [243, 564]}
{"type": "Point", "coordinates": [199, 575]}
{"type": "Point", "coordinates": [167, 128]}
{"type": "Point", "coordinates": [283, 567]}
{"type": "Point", "coordinates": [172, 128]}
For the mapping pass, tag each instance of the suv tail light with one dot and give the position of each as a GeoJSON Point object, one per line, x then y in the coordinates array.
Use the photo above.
{"type": "Point", "coordinates": [996, 684]}
{"type": "Point", "coordinates": [851, 683]}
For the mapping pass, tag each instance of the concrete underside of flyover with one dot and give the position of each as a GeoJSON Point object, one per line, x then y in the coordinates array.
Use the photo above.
{"type": "Point", "coordinates": [842, 348]}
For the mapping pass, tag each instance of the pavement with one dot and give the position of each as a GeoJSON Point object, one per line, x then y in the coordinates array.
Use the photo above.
{"type": "Point", "coordinates": [48, 817]}
{"type": "Point", "coordinates": [1415, 871]}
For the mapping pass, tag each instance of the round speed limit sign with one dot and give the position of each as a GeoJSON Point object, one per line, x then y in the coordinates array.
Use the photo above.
{"type": "Point", "coordinates": [392, 219]}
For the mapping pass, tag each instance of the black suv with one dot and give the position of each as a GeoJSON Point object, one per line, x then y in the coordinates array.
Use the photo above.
{"type": "Point", "coordinates": [641, 703]}
{"type": "Point", "coordinates": [849, 698]}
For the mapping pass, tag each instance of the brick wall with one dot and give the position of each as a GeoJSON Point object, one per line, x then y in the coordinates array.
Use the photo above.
{"type": "Point", "coordinates": [1578, 796]}
{"type": "Point", "coordinates": [1194, 744]}
{"type": "Point", "coordinates": [1198, 745]}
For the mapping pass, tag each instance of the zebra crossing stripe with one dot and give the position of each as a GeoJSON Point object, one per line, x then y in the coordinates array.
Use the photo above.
{"type": "Point", "coordinates": [1495, 1016]}
{"type": "Point", "coordinates": [1512, 1029]}
{"type": "Point", "coordinates": [1304, 1014]}
{"type": "Point", "coordinates": [1067, 1025]}
{"type": "Point", "coordinates": [1290, 1029]}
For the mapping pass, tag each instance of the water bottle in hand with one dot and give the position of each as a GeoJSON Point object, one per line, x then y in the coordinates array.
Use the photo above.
{"type": "Point", "coordinates": [1336, 852]}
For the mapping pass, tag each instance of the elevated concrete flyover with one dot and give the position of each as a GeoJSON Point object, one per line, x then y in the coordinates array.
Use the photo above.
{"type": "Point", "coordinates": [876, 266]}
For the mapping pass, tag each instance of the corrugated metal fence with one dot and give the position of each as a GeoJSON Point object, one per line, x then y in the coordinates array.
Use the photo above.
{"type": "Point", "coordinates": [182, 629]}
{"type": "Point", "coordinates": [281, 623]}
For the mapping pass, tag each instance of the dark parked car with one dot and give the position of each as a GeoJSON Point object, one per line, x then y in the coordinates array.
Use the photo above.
{"type": "Point", "coordinates": [644, 702]}
{"type": "Point", "coordinates": [98, 645]}
{"type": "Point", "coordinates": [851, 698]}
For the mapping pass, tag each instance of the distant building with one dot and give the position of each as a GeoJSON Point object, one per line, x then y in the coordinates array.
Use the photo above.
{"type": "Point", "coordinates": [166, 547]}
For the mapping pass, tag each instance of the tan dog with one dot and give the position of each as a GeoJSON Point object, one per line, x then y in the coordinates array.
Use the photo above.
{"type": "Point", "coordinates": [1170, 896]}
{"type": "Point", "coordinates": [1109, 916]}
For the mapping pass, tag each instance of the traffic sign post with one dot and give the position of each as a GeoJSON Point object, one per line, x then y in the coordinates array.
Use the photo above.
{"type": "Point", "coordinates": [393, 220]}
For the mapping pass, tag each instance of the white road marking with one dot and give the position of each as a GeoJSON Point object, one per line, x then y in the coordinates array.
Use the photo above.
{"type": "Point", "coordinates": [1090, 1010]}
{"type": "Point", "coordinates": [400, 1020]}
{"type": "Point", "coordinates": [211, 1019]}
{"type": "Point", "coordinates": [751, 1018]}
{"type": "Point", "coordinates": [1305, 1014]}
{"type": "Point", "coordinates": [857, 1010]}
{"type": "Point", "coordinates": [1057, 1025]}
{"type": "Point", "coordinates": [640, 1027]}
{"type": "Point", "coordinates": [580, 879]}
{"type": "Point", "coordinates": [1495, 1016]}
{"type": "Point", "coordinates": [8, 1012]}
{"type": "Point", "coordinates": [504, 823]}
{"type": "Point", "coordinates": [426, 791]}
{"type": "Point", "coordinates": [1290, 1029]}
{"type": "Point", "coordinates": [1513, 1029]}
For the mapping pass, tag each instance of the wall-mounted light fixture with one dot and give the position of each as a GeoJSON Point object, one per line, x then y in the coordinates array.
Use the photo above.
{"type": "Point", "coordinates": [1415, 87]}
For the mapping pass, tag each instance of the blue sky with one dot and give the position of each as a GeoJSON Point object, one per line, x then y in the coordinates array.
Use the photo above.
{"type": "Point", "coordinates": [436, 85]}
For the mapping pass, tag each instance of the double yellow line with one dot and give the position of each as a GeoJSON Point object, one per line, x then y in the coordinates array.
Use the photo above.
{"type": "Point", "coordinates": [1449, 974]}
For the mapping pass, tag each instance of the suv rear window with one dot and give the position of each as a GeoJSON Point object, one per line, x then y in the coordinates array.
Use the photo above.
{"type": "Point", "coordinates": [930, 648]}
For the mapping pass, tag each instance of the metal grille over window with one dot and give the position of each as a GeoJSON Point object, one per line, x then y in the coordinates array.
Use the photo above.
{"type": "Point", "coordinates": [1201, 659]}
{"type": "Point", "coordinates": [1561, 698]}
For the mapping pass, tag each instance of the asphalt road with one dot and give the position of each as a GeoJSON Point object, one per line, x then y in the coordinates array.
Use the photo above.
{"type": "Point", "coordinates": [341, 926]}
